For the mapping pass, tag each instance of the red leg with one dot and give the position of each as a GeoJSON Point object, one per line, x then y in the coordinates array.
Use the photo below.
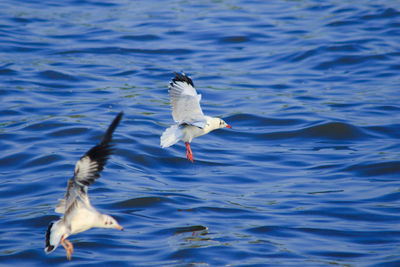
{"type": "Point", "coordinates": [189, 154]}
{"type": "Point", "coordinates": [69, 248]}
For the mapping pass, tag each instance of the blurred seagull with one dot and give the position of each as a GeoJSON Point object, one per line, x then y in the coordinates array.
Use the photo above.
{"type": "Point", "coordinates": [187, 113]}
{"type": "Point", "coordinates": [79, 214]}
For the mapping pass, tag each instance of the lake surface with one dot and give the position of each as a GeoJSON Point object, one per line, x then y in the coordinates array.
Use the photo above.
{"type": "Point", "coordinates": [308, 176]}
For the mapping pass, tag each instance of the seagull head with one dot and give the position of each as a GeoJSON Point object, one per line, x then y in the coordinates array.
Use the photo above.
{"type": "Point", "coordinates": [223, 124]}
{"type": "Point", "coordinates": [110, 222]}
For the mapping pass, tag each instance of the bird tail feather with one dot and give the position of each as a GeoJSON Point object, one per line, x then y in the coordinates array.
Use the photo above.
{"type": "Point", "coordinates": [60, 208]}
{"type": "Point", "coordinates": [171, 136]}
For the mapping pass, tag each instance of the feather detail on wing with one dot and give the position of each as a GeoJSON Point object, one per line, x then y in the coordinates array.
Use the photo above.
{"type": "Point", "coordinates": [88, 169]}
{"type": "Point", "coordinates": [185, 101]}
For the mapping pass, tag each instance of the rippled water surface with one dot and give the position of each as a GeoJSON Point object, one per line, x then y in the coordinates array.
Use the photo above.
{"type": "Point", "coordinates": [308, 176]}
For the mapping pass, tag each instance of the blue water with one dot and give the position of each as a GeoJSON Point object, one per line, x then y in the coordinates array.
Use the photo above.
{"type": "Point", "coordinates": [308, 176]}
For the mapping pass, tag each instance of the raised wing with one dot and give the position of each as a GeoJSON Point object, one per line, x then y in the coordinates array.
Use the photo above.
{"type": "Point", "coordinates": [185, 101]}
{"type": "Point", "coordinates": [88, 169]}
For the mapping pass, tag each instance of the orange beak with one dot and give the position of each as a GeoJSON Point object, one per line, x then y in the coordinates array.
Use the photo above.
{"type": "Point", "coordinates": [228, 126]}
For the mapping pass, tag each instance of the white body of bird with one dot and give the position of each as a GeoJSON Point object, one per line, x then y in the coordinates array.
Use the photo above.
{"type": "Point", "coordinates": [78, 214]}
{"type": "Point", "coordinates": [187, 113]}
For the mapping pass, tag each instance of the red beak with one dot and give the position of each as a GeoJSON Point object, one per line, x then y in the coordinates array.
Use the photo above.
{"type": "Point", "coordinates": [228, 126]}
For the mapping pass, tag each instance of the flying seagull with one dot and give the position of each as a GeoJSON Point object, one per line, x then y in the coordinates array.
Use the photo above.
{"type": "Point", "coordinates": [79, 214]}
{"type": "Point", "coordinates": [187, 113]}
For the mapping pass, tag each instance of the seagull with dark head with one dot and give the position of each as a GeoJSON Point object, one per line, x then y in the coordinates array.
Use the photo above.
{"type": "Point", "coordinates": [79, 214]}
{"type": "Point", "coordinates": [187, 113]}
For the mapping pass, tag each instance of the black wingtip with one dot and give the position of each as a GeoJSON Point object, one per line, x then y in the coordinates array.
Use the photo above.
{"type": "Point", "coordinates": [102, 151]}
{"type": "Point", "coordinates": [49, 247]}
{"type": "Point", "coordinates": [182, 78]}
{"type": "Point", "coordinates": [108, 135]}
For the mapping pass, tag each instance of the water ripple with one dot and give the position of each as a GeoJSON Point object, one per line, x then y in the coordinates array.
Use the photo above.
{"type": "Point", "coordinates": [307, 176]}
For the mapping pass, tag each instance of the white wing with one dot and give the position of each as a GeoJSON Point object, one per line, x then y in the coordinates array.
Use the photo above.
{"type": "Point", "coordinates": [185, 102]}
{"type": "Point", "coordinates": [88, 169]}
